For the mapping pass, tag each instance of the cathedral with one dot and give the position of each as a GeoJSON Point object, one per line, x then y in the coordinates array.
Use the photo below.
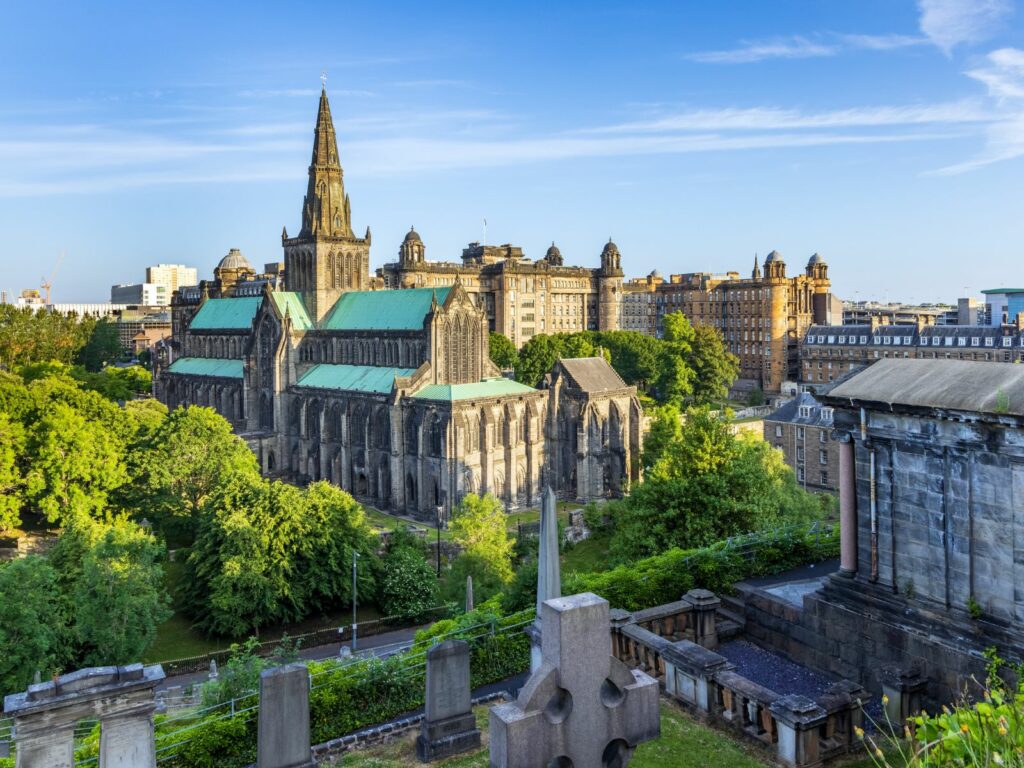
{"type": "Point", "coordinates": [329, 374]}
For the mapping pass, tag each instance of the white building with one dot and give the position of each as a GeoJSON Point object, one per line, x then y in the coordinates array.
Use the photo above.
{"type": "Point", "coordinates": [145, 294]}
{"type": "Point", "coordinates": [172, 276]}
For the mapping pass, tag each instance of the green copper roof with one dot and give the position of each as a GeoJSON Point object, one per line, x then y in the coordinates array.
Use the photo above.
{"type": "Point", "coordinates": [290, 303]}
{"type": "Point", "coordinates": [353, 378]}
{"type": "Point", "coordinates": [1003, 290]}
{"type": "Point", "coordinates": [475, 391]}
{"type": "Point", "coordinates": [207, 366]}
{"type": "Point", "coordinates": [226, 314]}
{"type": "Point", "coordinates": [399, 310]}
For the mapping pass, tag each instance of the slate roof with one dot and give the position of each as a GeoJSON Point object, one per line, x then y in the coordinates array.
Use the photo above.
{"type": "Point", "coordinates": [402, 310]}
{"type": "Point", "coordinates": [290, 303]}
{"type": "Point", "coordinates": [960, 385]}
{"type": "Point", "coordinates": [499, 387]}
{"type": "Point", "coordinates": [592, 374]}
{"type": "Point", "coordinates": [226, 314]}
{"type": "Point", "coordinates": [792, 412]}
{"type": "Point", "coordinates": [207, 366]}
{"type": "Point", "coordinates": [353, 378]}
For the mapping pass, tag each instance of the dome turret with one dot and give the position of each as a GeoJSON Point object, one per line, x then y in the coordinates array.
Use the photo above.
{"type": "Point", "coordinates": [235, 260]}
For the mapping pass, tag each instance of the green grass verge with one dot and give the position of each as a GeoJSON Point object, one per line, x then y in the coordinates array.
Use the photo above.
{"type": "Point", "coordinates": [684, 743]}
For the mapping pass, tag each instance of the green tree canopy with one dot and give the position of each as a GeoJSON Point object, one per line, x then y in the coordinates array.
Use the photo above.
{"type": "Point", "coordinates": [666, 426]}
{"type": "Point", "coordinates": [406, 584]}
{"type": "Point", "coordinates": [30, 618]}
{"type": "Point", "coordinates": [503, 352]}
{"type": "Point", "coordinates": [478, 526]}
{"type": "Point", "coordinates": [102, 346]}
{"type": "Point", "coordinates": [32, 336]}
{"type": "Point", "coordinates": [708, 484]}
{"type": "Point", "coordinates": [193, 451]}
{"type": "Point", "coordinates": [75, 464]}
{"type": "Point", "coordinates": [12, 446]}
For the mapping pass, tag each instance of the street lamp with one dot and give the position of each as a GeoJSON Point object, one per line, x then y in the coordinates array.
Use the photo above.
{"type": "Point", "coordinates": [438, 510]}
{"type": "Point", "coordinates": [355, 599]}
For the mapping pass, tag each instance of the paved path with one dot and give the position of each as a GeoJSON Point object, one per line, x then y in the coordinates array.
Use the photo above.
{"type": "Point", "coordinates": [399, 638]}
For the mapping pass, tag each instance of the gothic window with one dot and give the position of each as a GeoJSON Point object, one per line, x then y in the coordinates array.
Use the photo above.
{"type": "Point", "coordinates": [357, 425]}
{"type": "Point", "coordinates": [411, 437]}
{"type": "Point", "coordinates": [436, 435]}
{"type": "Point", "coordinates": [313, 411]}
{"type": "Point", "coordinates": [266, 411]}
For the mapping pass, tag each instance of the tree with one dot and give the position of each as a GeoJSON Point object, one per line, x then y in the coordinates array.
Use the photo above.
{"type": "Point", "coordinates": [74, 464]}
{"type": "Point", "coordinates": [102, 347]}
{"type": "Point", "coordinates": [715, 368]}
{"type": "Point", "coordinates": [478, 526]}
{"type": "Point", "coordinates": [633, 355]}
{"type": "Point", "coordinates": [119, 597]}
{"type": "Point", "coordinates": [406, 586]}
{"type": "Point", "coordinates": [31, 336]}
{"type": "Point", "coordinates": [674, 381]}
{"type": "Point", "coordinates": [536, 358]}
{"type": "Point", "coordinates": [665, 428]}
{"type": "Point", "coordinates": [503, 352]}
{"type": "Point", "coordinates": [12, 446]}
{"type": "Point", "coordinates": [30, 637]}
{"type": "Point", "coordinates": [193, 452]}
{"type": "Point", "coordinates": [706, 485]}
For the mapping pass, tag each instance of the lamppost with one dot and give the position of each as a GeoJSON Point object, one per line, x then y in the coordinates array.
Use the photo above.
{"type": "Point", "coordinates": [438, 510]}
{"type": "Point", "coordinates": [355, 599]}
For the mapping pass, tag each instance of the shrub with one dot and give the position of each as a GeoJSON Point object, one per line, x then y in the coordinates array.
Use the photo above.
{"type": "Point", "coordinates": [406, 586]}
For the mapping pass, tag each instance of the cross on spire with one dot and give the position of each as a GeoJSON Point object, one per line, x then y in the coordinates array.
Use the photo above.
{"type": "Point", "coordinates": [323, 80]}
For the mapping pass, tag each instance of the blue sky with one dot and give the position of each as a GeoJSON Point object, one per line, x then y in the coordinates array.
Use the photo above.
{"type": "Point", "coordinates": [886, 134]}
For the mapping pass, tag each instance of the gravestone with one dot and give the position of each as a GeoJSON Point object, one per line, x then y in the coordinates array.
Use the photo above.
{"type": "Point", "coordinates": [549, 569]}
{"type": "Point", "coordinates": [283, 727]}
{"type": "Point", "coordinates": [582, 706]}
{"type": "Point", "coordinates": [449, 726]}
{"type": "Point", "coordinates": [121, 698]}
{"type": "Point", "coordinates": [469, 594]}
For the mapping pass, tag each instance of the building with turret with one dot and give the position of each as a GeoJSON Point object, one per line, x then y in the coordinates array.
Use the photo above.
{"type": "Point", "coordinates": [761, 318]}
{"type": "Point", "coordinates": [391, 394]}
{"type": "Point", "coordinates": [521, 298]}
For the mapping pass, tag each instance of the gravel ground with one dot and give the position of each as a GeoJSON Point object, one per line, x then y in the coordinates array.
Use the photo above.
{"type": "Point", "coordinates": [779, 674]}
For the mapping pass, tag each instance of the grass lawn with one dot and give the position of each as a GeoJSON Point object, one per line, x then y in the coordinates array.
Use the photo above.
{"type": "Point", "coordinates": [684, 743]}
{"type": "Point", "coordinates": [587, 556]}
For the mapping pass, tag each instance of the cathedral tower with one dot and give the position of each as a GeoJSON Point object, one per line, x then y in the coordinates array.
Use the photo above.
{"type": "Point", "coordinates": [326, 259]}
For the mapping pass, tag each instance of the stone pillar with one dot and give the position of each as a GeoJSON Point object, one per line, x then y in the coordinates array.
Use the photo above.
{"type": "Point", "coordinates": [283, 728]}
{"type": "Point", "coordinates": [798, 720]}
{"type": "Point", "coordinates": [705, 604]}
{"type": "Point", "coordinates": [904, 688]}
{"type": "Point", "coordinates": [549, 569]}
{"type": "Point", "coordinates": [847, 507]}
{"type": "Point", "coordinates": [449, 726]}
{"type": "Point", "coordinates": [121, 698]}
{"type": "Point", "coordinates": [689, 671]}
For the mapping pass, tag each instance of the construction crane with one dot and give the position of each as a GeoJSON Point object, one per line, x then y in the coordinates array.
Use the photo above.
{"type": "Point", "coordinates": [46, 285]}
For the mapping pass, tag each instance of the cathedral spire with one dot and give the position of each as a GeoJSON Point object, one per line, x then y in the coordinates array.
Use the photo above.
{"type": "Point", "coordinates": [325, 210]}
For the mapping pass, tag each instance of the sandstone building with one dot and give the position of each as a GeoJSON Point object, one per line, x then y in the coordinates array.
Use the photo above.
{"type": "Point", "coordinates": [802, 429]}
{"type": "Point", "coordinates": [761, 318]}
{"type": "Point", "coordinates": [391, 394]}
{"type": "Point", "coordinates": [520, 298]}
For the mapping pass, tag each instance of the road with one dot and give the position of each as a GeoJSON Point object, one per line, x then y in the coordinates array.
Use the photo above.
{"type": "Point", "coordinates": [400, 639]}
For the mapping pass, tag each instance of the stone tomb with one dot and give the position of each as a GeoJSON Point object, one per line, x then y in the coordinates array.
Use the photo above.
{"type": "Point", "coordinates": [449, 726]}
{"type": "Point", "coordinates": [582, 707]}
{"type": "Point", "coordinates": [283, 735]}
{"type": "Point", "coordinates": [121, 698]}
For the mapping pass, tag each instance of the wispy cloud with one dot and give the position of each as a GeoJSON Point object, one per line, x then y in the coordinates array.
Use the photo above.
{"type": "Point", "coordinates": [775, 118]}
{"type": "Point", "coordinates": [801, 47]}
{"type": "Point", "coordinates": [271, 93]}
{"type": "Point", "coordinates": [761, 50]}
{"type": "Point", "coordinates": [1003, 76]}
{"type": "Point", "coordinates": [949, 23]}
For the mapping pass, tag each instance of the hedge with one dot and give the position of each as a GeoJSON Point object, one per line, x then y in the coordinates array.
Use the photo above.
{"type": "Point", "coordinates": [666, 577]}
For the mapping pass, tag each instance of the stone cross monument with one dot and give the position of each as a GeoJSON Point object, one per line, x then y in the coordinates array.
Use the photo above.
{"type": "Point", "coordinates": [449, 726]}
{"type": "Point", "coordinates": [549, 569]}
{"type": "Point", "coordinates": [121, 698]}
{"type": "Point", "coordinates": [582, 706]}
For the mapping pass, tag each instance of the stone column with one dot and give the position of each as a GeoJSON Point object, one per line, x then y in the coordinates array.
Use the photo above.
{"type": "Point", "coordinates": [798, 720]}
{"type": "Point", "coordinates": [847, 507]}
{"type": "Point", "coordinates": [283, 728]}
{"type": "Point", "coordinates": [705, 604]}
{"type": "Point", "coordinates": [689, 674]}
{"type": "Point", "coordinates": [904, 688]}
{"type": "Point", "coordinates": [121, 698]}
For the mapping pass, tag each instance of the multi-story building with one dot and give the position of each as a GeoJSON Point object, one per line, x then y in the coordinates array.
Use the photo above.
{"type": "Point", "coordinates": [802, 429]}
{"type": "Point", "coordinates": [141, 294]}
{"type": "Point", "coordinates": [639, 306]}
{"type": "Point", "coordinates": [141, 328]}
{"type": "Point", "coordinates": [172, 276]}
{"type": "Point", "coordinates": [867, 312]}
{"type": "Point", "coordinates": [521, 298]}
{"type": "Point", "coordinates": [761, 319]}
{"type": "Point", "coordinates": [391, 394]}
{"type": "Point", "coordinates": [1003, 305]}
{"type": "Point", "coordinates": [829, 352]}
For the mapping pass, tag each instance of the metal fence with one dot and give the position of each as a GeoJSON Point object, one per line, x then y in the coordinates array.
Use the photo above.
{"type": "Point", "coordinates": [318, 637]}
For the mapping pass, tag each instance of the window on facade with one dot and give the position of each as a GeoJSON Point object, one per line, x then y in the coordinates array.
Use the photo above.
{"type": "Point", "coordinates": [824, 478]}
{"type": "Point", "coordinates": [800, 435]}
{"type": "Point", "coordinates": [823, 456]}
{"type": "Point", "coordinates": [800, 474]}
{"type": "Point", "coordinates": [778, 430]}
